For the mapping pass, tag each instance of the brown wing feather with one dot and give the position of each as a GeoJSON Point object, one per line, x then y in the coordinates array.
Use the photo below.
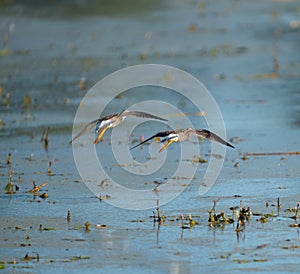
{"type": "Point", "coordinates": [141, 115]}
{"type": "Point", "coordinates": [92, 124]}
{"type": "Point", "coordinates": [86, 128]}
{"type": "Point", "coordinates": [211, 136]}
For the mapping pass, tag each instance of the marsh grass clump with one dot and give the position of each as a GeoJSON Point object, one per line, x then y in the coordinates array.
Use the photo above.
{"type": "Point", "coordinates": [240, 215]}
{"type": "Point", "coordinates": [295, 216]}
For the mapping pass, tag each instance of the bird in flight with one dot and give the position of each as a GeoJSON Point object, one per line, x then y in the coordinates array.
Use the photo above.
{"type": "Point", "coordinates": [113, 120]}
{"type": "Point", "coordinates": [181, 135]}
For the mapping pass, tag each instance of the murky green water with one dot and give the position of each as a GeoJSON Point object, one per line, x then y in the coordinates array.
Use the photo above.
{"type": "Point", "coordinates": [246, 53]}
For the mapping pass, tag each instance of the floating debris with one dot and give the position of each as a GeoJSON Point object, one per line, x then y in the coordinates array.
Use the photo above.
{"type": "Point", "coordinates": [254, 154]}
{"type": "Point", "coordinates": [41, 228]}
{"type": "Point", "coordinates": [236, 140]}
{"type": "Point", "coordinates": [76, 258]}
{"type": "Point", "coordinates": [27, 102]}
{"type": "Point", "coordinates": [104, 183]}
{"type": "Point", "coordinates": [198, 159]}
{"type": "Point", "coordinates": [82, 84]}
{"type": "Point", "coordinates": [143, 55]}
{"type": "Point", "coordinates": [296, 209]}
{"type": "Point", "coordinates": [101, 226]}
{"type": "Point", "coordinates": [44, 195]}
{"type": "Point", "coordinates": [37, 188]}
{"type": "Point", "coordinates": [192, 28]}
{"type": "Point", "coordinates": [30, 157]}
{"type": "Point", "coordinates": [104, 197]}
{"type": "Point", "coordinates": [30, 258]}
{"type": "Point", "coordinates": [271, 75]}
{"type": "Point", "coordinates": [294, 225]}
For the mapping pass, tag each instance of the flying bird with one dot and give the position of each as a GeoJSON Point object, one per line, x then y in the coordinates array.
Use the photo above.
{"type": "Point", "coordinates": [181, 135]}
{"type": "Point", "coordinates": [113, 120]}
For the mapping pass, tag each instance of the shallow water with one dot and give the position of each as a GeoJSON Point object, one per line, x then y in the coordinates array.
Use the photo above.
{"type": "Point", "coordinates": [231, 47]}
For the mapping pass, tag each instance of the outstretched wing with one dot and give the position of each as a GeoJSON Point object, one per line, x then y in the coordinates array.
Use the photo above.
{"type": "Point", "coordinates": [86, 128]}
{"type": "Point", "coordinates": [159, 134]}
{"type": "Point", "coordinates": [141, 115]}
{"type": "Point", "coordinates": [211, 136]}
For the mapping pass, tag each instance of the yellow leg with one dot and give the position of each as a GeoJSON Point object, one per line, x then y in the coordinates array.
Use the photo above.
{"type": "Point", "coordinates": [100, 135]}
{"type": "Point", "coordinates": [169, 142]}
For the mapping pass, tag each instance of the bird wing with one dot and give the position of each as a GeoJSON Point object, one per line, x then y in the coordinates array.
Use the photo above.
{"type": "Point", "coordinates": [211, 136]}
{"type": "Point", "coordinates": [141, 115]}
{"type": "Point", "coordinates": [159, 134]}
{"type": "Point", "coordinates": [86, 128]}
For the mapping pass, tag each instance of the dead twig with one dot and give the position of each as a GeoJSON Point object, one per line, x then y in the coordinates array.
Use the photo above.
{"type": "Point", "coordinates": [271, 153]}
{"type": "Point", "coordinates": [36, 189]}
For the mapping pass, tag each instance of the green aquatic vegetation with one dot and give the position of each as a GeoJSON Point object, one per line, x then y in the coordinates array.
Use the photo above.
{"type": "Point", "coordinates": [87, 226]}
{"type": "Point", "coordinates": [11, 188]}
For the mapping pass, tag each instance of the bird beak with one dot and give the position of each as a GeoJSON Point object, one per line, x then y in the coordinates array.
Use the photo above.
{"type": "Point", "coordinates": [169, 142]}
{"type": "Point", "coordinates": [100, 135]}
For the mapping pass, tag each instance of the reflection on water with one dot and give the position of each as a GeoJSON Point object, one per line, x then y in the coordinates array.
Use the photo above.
{"type": "Point", "coordinates": [48, 46]}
